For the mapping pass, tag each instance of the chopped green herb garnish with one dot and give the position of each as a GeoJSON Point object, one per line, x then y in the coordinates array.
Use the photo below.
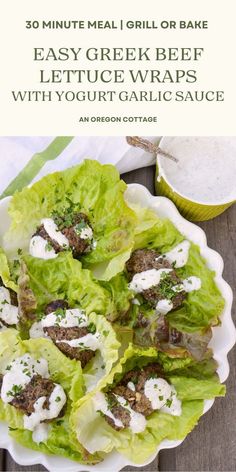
{"type": "Point", "coordinates": [92, 328]}
{"type": "Point", "coordinates": [16, 390]}
{"type": "Point", "coordinates": [48, 247]}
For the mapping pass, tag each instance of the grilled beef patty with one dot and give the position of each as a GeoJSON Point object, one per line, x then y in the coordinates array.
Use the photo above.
{"type": "Point", "coordinates": [57, 333]}
{"type": "Point", "coordinates": [147, 259]}
{"type": "Point", "coordinates": [78, 245]}
{"type": "Point", "coordinates": [136, 399]}
{"type": "Point", "coordinates": [36, 388]}
{"type": "Point", "coordinates": [55, 305]}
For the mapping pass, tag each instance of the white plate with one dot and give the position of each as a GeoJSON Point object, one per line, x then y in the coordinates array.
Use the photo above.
{"type": "Point", "coordinates": [224, 336]}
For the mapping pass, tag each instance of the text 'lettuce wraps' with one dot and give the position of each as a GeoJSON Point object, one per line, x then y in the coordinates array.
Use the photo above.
{"type": "Point", "coordinates": [147, 398]}
{"type": "Point", "coordinates": [38, 386]}
{"type": "Point", "coordinates": [81, 209]}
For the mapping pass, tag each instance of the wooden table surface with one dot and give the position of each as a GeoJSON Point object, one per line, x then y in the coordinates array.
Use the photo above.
{"type": "Point", "coordinates": [212, 444]}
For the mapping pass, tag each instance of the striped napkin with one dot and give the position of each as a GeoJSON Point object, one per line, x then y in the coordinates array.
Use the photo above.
{"type": "Point", "coordinates": [26, 159]}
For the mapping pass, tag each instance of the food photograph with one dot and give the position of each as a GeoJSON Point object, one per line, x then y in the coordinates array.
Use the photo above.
{"type": "Point", "coordinates": [117, 271]}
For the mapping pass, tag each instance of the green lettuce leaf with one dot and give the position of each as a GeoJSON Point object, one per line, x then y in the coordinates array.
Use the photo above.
{"type": "Point", "coordinates": [203, 307]}
{"type": "Point", "coordinates": [97, 435]}
{"type": "Point", "coordinates": [98, 191]}
{"type": "Point", "coordinates": [64, 278]}
{"type": "Point", "coordinates": [5, 273]}
{"type": "Point", "coordinates": [68, 374]}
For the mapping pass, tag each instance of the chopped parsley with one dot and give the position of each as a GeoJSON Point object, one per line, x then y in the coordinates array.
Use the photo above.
{"type": "Point", "coordinates": [169, 402]}
{"type": "Point", "coordinates": [166, 286]}
{"type": "Point", "coordinates": [58, 399]}
{"type": "Point", "coordinates": [16, 390]}
{"type": "Point", "coordinates": [91, 328]}
{"type": "Point", "coordinates": [105, 333]}
{"type": "Point", "coordinates": [5, 302]}
{"type": "Point", "coordinates": [48, 247]}
{"type": "Point", "coordinates": [81, 225]}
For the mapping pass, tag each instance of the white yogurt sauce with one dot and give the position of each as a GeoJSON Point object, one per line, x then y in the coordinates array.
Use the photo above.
{"type": "Point", "coordinates": [86, 233]}
{"type": "Point", "coordinates": [52, 229]}
{"type": "Point", "coordinates": [173, 405]}
{"type": "Point", "coordinates": [40, 433]}
{"type": "Point", "coordinates": [164, 306]}
{"type": "Point", "coordinates": [100, 404]}
{"type": "Point", "coordinates": [189, 285]}
{"type": "Point", "coordinates": [157, 390]}
{"type": "Point", "coordinates": [178, 255]}
{"type": "Point", "coordinates": [137, 420]}
{"type": "Point", "coordinates": [36, 330]}
{"type": "Point", "coordinates": [206, 167]}
{"type": "Point", "coordinates": [57, 400]}
{"type": "Point", "coordinates": [8, 312]}
{"type": "Point", "coordinates": [89, 341]}
{"type": "Point", "coordinates": [71, 318]}
{"type": "Point", "coordinates": [131, 386]}
{"type": "Point", "coordinates": [19, 373]}
{"type": "Point", "coordinates": [41, 249]}
{"type": "Point", "coordinates": [192, 283]}
{"type": "Point", "coordinates": [147, 279]}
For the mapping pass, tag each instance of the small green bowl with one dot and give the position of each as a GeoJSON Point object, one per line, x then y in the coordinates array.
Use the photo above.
{"type": "Point", "coordinates": [190, 209]}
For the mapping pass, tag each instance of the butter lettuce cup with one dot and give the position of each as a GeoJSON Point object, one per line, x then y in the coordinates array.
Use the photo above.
{"type": "Point", "coordinates": [81, 210]}
{"type": "Point", "coordinates": [148, 397]}
{"type": "Point", "coordinates": [61, 302]}
{"type": "Point", "coordinates": [202, 182]}
{"type": "Point", "coordinates": [38, 387]}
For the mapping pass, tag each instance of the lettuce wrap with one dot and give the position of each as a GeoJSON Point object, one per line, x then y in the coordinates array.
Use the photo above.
{"type": "Point", "coordinates": [64, 278]}
{"type": "Point", "coordinates": [93, 189]}
{"type": "Point", "coordinates": [68, 374]}
{"type": "Point", "coordinates": [202, 307]}
{"type": "Point", "coordinates": [6, 275]}
{"type": "Point", "coordinates": [194, 383]}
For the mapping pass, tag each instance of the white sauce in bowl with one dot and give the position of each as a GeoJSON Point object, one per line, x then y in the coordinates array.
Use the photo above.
{"type": "Point", "coordinates": [206, 167]}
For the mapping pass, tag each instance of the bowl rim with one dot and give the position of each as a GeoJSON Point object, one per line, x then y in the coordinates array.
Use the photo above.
{"type": "Point", "coordinates": [162, 174]}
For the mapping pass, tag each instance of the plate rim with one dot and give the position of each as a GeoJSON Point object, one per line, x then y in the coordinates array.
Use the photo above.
{"type": "Point", "coordinates": [138, 193]}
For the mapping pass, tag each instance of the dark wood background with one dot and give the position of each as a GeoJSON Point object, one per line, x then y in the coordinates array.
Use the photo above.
{"type": "Point", "coordinates": [212, 444]}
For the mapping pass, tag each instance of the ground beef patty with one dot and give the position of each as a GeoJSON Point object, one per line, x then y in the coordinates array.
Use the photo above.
{"type": "Point", "coordinates": [78, 245]}
{"type": "Point", "coordinates": [36, 388]}
{"type": "Point", "coordinates": [136, 399]}
{"type": "Point", "coordinates": [57, 333]}
{"type": "Point", "coordinates": [55, 305]}
{"type": "Point", "coordinates": [146, 259]}
{"type": "Point", "coordinates": [13, 297]}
